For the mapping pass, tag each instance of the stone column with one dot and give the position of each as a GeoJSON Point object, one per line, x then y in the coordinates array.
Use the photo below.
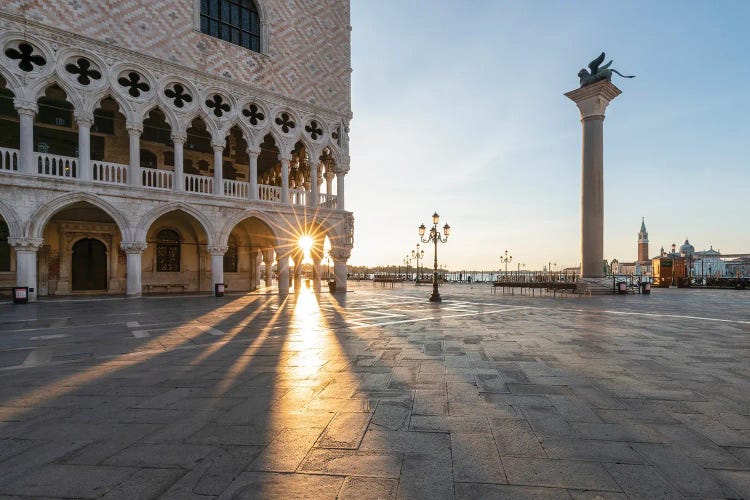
{"type": "Point", "coordinates": [317, 273]}
{"type": "Point", "coordinates": [134, 170]}
{"type": "Point", "coordinates": [340, 189]}
{"type": "Point", "coordinates": [268, 261]}
{"type": "Point", "coordinates": [218, 168]}
{"type": "Point", "coordinates": [252, 192]}
{"type": "Point", "coordinates": [282, 263]}
{"type": "Point", "coordinates": [340, 256]}
{"type": "Point", "coordinates": [329, 182]}
{"type": "Point", "coordinates": [179, 161]}
{"type": "Point", "coordinates": [592, 101]}
{"type": "Point", "coordinates": [253, 270]}
{"type": "Point", "coordinates": [26, 111]}
{"type": "Point", "coordinates": [134, 251]}
{"type": "Point", "coordinates": [26, 252]}
{"type": "Point", "coordinates": [313, 200]}
{"type": "Point", "coordinates": [84, 121]}
{"type": "Point", "coordinates": [285, 159]}
{"type": "Point", "coordinates": [217, 265]}
{"type": "Point", "coordinates": [298, 272]}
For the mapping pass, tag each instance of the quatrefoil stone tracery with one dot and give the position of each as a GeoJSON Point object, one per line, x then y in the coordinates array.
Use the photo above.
{"type": "Point", "coordinates": [218, 105]}
{"type": "Point", "coordinates": [133, 82]}
{"type": "Point", "coordinates": [285, 122]}
{"type": "Point", "coordinates": [83, 69]}
{"type": "Point", "coordinates": [178, 95]}
{"type": "Point", "coordinates": [254, 114]}
{"type": "Point", "coordinates": [314, 130]}
{"type": "Point", "coordinates": [26, 57]}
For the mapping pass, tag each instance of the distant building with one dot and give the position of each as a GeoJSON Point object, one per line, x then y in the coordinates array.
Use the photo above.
{"type": "Point", "coordinates": [640, 267]}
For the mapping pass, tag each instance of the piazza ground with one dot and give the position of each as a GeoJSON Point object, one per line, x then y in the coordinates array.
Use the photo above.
{"type": "Point", "coordinates": [377, 394]}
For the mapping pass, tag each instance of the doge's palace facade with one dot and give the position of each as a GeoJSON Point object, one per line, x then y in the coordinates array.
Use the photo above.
{"type": "Point", "coordinates": [160, 145]}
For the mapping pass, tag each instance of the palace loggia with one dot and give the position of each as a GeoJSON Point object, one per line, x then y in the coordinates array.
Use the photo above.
{"type": "Point", "coordinates": [170, 145]}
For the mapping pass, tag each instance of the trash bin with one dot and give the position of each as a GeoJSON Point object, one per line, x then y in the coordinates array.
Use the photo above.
{"type": "Point", "coordinates": [646, 288]}
{"type": "Point", "coordinates": [622, 287]}
{"type": "Point", "coordinates": [20, 295]}
{"type": "Point", "coordinates": [331, 286]}
{"type": "Point", "coordinates": [219, 290]}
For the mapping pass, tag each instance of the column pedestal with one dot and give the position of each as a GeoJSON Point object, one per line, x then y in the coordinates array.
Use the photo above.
{"type": "Point", "coordinates": [592, 101]}
{"type": "Point", "coordinates": [26, 253]}
{"type": "Point", "coordinates": [134, 251]}
{"type": "Point", "coordinates": [217, 265]}
{"type": "Point", "coordinates": [282, 263]}
{"type": "Point", "coordinates": [340, 256]}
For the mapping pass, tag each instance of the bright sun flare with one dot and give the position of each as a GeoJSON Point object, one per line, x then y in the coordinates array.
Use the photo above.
{"type": "Point", "coordinates": [306, 243]}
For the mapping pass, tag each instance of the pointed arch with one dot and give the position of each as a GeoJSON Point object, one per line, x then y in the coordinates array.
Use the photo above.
{"type": "Point", "coordinates": [94, 102]}
{"type": "Point", "coordinates": [37, 90]}
{"type": "Point", "coordinates": [44, 213]}
{"type": "Point", "coordinates": [247, 214]}
{"type": "Point", "coordinates": [148, 220]}
{"type": "Point", "coordinates": [15, 228]}
{"type": "Point", "coordinates": [169, 115]}
{"type": "Point", "coordinates": [11, 82]}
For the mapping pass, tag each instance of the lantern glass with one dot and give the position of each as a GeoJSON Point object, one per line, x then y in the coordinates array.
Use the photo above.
{"type": "Point", "coordinates": [435, 218]}
{"type": "Point", "coordinates": [446, 229]}
{"type": "Point", "coordinates": [422, 229]}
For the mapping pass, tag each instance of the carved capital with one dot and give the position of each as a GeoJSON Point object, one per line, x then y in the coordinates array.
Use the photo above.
{"type": "Point", "coordinates": [28, 108]}
{"type": "Point", "coordinates": [253, 151]}
{"type": "Point", "coordinates": [341, 254]}
{"type": "Point", "coordinates": [134, 128]}
{"type": "Point", "coordinates": [179, 138]}
{"type": "Point", "coordinates": [24, 244]}
{"type": "Point", "coordinates": [133, 246]}
{"type": "Point", "coordinates": [217, 250]}
{"type": "Point", "coordinates": [343, 167]}
{"type": "Point", "coordinates": [217, 146]}
{"type": "Point", "coordinates": [84, 119]}
{"type": "Point", "coordinates": [592, 100]}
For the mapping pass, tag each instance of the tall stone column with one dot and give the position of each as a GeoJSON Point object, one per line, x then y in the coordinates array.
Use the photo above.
{"type": "Point", "coordinates": [317, 274]}
{"type": "Point", "coordinates": [592, 101]}
{"type": "Point", "coordinates": [313, 200]}
{"type": "Point", "coordinates": [282, 264]}
{"type": "Point", "coordinates": [252, 192]}
{"type": "Point", "coordinates": [298, 272]}
{"type": "Point", "coordinates": [134, 169]}
{"type": "Point", "coordinates": [26, 252]}
{"type": "Point", "coordinates": [268, 261]}
{"type": "Point", "coordinates": [254, 268]}
{"type": "Point", "coordinates": [179, 161]}
{"type": "Point", "coordinates": [340, 189]}
{"type": "Point", "coordinates": [329, 182]}
{"type": "Point", "coordinates": [340, 256]}
{"type": "Point", "coordinates": [84, 121]}
{"type": "Point", "coordinates": [285, 159]}
{"type": "Point", "coordinates": [217, 265]}
{"type": "Point", "coordinates": [26, 111]}
{"type": "Point", "coordinates": [218, 168]}
{"type": "Point", "coordinates": [134, 251]}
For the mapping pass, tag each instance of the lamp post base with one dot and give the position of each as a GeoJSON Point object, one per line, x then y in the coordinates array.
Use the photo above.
{"type": "Point", "coordinates": [435, 297]}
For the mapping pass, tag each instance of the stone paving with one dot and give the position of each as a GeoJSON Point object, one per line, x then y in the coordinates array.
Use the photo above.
{"type": "Point", "coordinates": [377, 394]}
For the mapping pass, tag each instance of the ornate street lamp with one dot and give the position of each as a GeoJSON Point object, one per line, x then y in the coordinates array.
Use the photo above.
{"type": "Point", "coordinates": [435, 237]}
{"type": "Point", "coordinates": [407, 263]}
{"type": "Point", "coordinates": [505, 260]}
{"type": "Point", "coordinates": [418, 253]}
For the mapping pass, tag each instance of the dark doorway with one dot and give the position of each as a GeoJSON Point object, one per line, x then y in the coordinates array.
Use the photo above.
{"type": "Point", "coordinates": [89, 265]}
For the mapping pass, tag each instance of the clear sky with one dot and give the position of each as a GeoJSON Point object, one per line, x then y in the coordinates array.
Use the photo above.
{"type": "Point", "coordinates": [459, 107]}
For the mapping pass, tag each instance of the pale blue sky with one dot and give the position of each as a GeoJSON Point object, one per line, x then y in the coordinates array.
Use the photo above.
{"type": "Point", "coordinates": [459, 108]}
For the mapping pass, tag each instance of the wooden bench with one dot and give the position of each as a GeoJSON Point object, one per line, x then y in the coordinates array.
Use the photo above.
{"type": "Point", "coordinates": [166, 287]}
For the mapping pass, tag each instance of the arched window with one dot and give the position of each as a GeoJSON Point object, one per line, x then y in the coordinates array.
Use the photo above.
{"type": "Point", "coordinates": [230, 257]}
{"type": "Point", "coordinates": [4, 247]}
{"type": "Point", "coordinates": [167, 251]}
{"type": "Point", "coordinates": [235, 21]}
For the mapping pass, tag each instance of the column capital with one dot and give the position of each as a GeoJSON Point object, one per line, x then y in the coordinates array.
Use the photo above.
{"type": "Point", "coordinates": [24, 244]}
{"type": "Point", "coordinates": [179, 138]}
{"type": "Point", "coordinates": [84, 119]}
{"type": "Point", "coordinates": [592, 100]}
{"type": "Point", "coordinates": [217, 250]}
{"type": "Point", "coordinates": [341, 253]}
{"type": "Point", "coordinates": [131, 247]}
{"type": "Point", "coordinates": [134, 128]}
{"type": "Point", "coordinates": [285, 157]}
{"type": "Point", "coordinates": [253, 151]}
{"type": "Point", "coordinates": [217, 146]}
{"type": "Point", "coordinates": [330, 175]}
{"type": "Point", "coordinates": [25, 107]}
